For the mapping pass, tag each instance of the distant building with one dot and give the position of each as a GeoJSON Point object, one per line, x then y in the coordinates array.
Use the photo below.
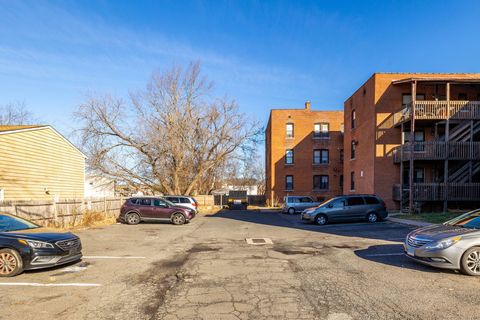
{"type": "Point", "coordinates": [304, 153]}
{"type": "Point", "coordinates": [99, 187]}
{"type": "Point", "coordinates": [38, 163]}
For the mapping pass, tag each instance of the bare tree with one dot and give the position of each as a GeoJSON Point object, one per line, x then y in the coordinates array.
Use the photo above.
{"type": "Point", "coordinates": [169, 137]}
{"type": "Point", "coordinates": [15, 114]}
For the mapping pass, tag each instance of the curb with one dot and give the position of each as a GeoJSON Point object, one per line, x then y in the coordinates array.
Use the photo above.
{"type": "Point", "coordinates": [410, 222]}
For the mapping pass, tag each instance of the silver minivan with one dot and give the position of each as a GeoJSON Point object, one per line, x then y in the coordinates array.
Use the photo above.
{"type": "Point", "coordinates": [297, 204]}
{"type": "Point", "coordinates": [347, 208]}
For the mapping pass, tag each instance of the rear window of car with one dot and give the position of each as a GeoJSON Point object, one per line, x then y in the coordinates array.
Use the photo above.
{"type": "Point", "coordinates": [145, 202]}
{"type": "Point", "coordinates": [292, 200]}
{"type": "Point", "coordinates": [355, 201]}
{"type": "Point", "coordinates": [184, 200]}
{"type": "Point", "coordinates": [306, 199]}
{"type": "Point", "coordinates": [371, 200]}
{"type": "Point", "coordinates": [172, 199]}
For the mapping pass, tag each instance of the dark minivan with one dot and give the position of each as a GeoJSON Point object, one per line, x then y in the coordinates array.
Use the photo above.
{"type": "Point", "coordinates": [347, 208]}
{"type": "Point", "coordinates": [138, 209]}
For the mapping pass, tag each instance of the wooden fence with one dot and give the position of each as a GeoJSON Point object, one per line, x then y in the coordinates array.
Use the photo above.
{"type": "Point", "coordinates": [61, 213]}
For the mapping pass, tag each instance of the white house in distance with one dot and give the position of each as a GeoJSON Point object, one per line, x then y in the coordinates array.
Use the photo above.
{"type": "Point", "coordinates": [99, 187]}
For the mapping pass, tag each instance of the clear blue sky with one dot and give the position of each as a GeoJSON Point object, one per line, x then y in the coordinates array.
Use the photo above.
{"type": "Point", "coordinates": [265, 54]}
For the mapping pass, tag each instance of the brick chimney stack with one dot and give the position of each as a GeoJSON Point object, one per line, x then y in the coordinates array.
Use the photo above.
{"type": "Point", "coordinates": [307, 105]}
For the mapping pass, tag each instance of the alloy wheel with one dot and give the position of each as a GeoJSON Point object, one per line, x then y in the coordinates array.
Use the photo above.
{"type": "Point", "coordinates": [8, 263]}
{"type": "Point", "coordinates": [321, 220]}
{"type": "Point", "coordinates": [133, 218]}
{"type": "Point", "coordinates": [473, 262]}
{"type": "Point", "coordinates": [178, 219]}
{"type": "Point", "coordinates": [372, 217]}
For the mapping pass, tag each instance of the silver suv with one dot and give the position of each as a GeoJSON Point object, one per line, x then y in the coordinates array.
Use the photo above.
{"type": "Point", "coordinates": [347, 208]}
{"type": "Point", "coordinates": [184, 201]}
{"type": "Point", "coordinates": [452, 245]}
{"type": "Point", "coordinates": [293, 204]}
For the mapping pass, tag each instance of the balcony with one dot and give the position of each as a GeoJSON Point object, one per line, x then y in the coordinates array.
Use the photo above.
{"type": "Point", "coordinates": [432, 150]}
{"type": "Point", "coordinates": [438, 110]}
{"type": "Point", "coordinates": [441, 192]}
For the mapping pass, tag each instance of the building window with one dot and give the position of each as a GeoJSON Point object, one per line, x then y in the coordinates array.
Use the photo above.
{"type": "Point", "coordinates": [407, 98]}
{"type": "Point", "coordinates": [320, 182]}
{"type": "Point", "coordinates": [342, 128]}
{"type": "Point", "coordinates": [341, 155]}
{"type": "Point", "coordinates": [321, 130]}
{"type": "Point", "coordinates": [352, 151]}
{"type": "Point", "coordinates": [352, 181]}
{"type": "Point", "coordinates": [341, 181]}
{"type": "Point", "coordinates": [419, 175]}
{"type": "Point", "coordinates": [289, 130]}
{"type": "Point", "coordinates": [353, 118]}
{"type": "Point", "coordinates": [289, 156]}
{"type": "Point", "coordinates": [289, 183]}
{"type": "Point", "coordinates": [320, 156]}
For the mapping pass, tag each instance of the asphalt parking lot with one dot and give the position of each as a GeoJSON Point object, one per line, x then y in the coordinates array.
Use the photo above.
{"type": "Point", "coordinates": [206, 270]}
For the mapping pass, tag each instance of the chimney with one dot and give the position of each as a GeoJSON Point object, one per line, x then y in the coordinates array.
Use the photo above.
{"type": "Point", "coordinates": [307, 105]}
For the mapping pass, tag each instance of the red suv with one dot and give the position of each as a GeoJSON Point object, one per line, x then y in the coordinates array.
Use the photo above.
{"type": "Point", "coordinates": [139, 209]}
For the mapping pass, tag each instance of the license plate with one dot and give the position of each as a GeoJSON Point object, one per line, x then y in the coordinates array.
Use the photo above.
{"type": "Point", "coordinates": [237, 201]}
{"type": "Point", "coordinates": [411, 251]}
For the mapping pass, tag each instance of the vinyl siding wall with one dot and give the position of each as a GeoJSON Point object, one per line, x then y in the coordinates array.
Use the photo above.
{"type": "Point", "coordinates": [32, 162]}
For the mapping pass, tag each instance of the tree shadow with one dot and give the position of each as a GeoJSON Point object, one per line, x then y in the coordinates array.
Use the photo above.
{"type": "Point", "coordinates": [384, 230]}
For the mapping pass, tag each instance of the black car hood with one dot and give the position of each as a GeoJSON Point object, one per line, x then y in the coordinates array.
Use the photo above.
{"type": "Point", "coordinates": [437, 232]}
{"type": "Point", "coordinates": [40, 234]}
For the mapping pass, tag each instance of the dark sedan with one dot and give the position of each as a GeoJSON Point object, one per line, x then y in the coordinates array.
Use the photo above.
{"type": "Point", "coordinates": [27, 246]}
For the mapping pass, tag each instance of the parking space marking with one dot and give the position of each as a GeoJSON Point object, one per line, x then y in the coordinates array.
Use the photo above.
{"type": "Point", "coordinates": [384, 254]}
{"type": "Point", "coordinates": [33, 284]}
{"type": "Point", "coordinates": [113, 257]}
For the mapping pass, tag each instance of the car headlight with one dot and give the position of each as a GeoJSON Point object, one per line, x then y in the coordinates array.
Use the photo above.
{"type": "Point", "coordinates": [36, 244]}
{"type": "Point", "coordinates": [444, 244]}
{"type": "Point", "coordinates": [309, 211]}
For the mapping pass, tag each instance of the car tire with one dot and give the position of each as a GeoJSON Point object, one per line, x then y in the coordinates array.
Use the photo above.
{"type": "Point", "coordinates": [470, 263]}
{"type": "Point", "coordinates": [372, 217]}
{"type": "Point", "coordinates": [178, 219]}
{"type": "Point", "coordinates": [11, 264]}
{"type": "Point", "coordinates": [132, 218]}
{"type": "Point", "coordinates": [321, 219]}
{"type": "Point", "coordinates": [291, 210]}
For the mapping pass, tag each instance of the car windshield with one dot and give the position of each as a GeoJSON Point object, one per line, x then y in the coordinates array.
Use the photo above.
{"type": "Point", "coordinates": [324, 203]}
{"type": "Point", "coordinates": [10, 223]}
{"type": "Point", "coordinates": [468, 220]}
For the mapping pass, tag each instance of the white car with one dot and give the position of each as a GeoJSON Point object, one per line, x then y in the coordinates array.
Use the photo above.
{"type": "Point", "coordinates": [184, 201]}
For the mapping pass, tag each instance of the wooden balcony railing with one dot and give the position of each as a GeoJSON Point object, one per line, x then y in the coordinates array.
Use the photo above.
{"type": "Point", "coordinates": [451, 191]}
{"type": "Point", "coordinates": [432, 150]}
{"type": "Point", "coordinates": [437, 110]}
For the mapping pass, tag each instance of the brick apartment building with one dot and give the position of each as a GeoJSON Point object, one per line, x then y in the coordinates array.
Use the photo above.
{"type": "Point", "coordinates": [304, 153]}
{"type": "Point", "coordinates": [436, 166]}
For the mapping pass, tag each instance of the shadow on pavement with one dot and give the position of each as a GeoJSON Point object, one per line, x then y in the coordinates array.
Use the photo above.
{"type": "Point", "coordinates": [385, 230]}
{"type": "Point", "coordinates": [392, 255]}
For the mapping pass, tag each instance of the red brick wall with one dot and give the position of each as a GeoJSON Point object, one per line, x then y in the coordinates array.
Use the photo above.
{"type": "Point", "coordinates": [303, 145]}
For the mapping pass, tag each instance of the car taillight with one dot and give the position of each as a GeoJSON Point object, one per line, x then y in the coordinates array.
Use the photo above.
{"type": "Point", "coordinates": [194, 204]}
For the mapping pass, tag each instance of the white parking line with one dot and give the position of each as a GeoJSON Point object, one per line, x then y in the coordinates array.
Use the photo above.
{"type": "Point", "coordinates": [112, 257]}
{"type": "Point", "coordinates": [384, 254]}
{"type": "Point", "coordinates": [33, 284]}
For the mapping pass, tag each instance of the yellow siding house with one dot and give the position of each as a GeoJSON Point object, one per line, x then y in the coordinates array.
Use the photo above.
{"type": "Point", "coordinates": [38, 163]}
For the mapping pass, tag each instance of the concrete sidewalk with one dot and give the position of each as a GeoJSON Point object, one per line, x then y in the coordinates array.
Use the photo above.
{"type": "Point", "coordinates": [410, 222]}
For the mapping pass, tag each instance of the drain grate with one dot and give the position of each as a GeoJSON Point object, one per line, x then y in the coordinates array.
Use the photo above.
{"type": "Point", "coordinates": [258, 241]}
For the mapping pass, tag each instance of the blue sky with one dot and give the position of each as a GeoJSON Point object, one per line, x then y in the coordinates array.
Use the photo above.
{"type": "Point", "coordinates": [265, 54]}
